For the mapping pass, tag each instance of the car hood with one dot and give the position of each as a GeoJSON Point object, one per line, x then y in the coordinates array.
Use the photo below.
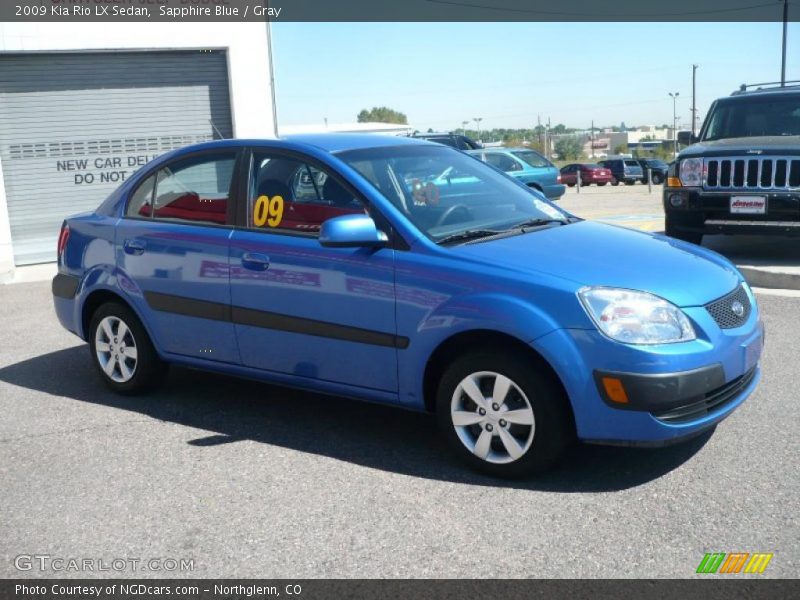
{"type": "Point", "coordinates": [595, 254]}
{"type": "Point", "coordinates": [768, 145]}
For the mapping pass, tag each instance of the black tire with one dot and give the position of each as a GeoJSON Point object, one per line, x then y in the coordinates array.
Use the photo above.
{"type": "Point", "coordinates": [552, 428]}
{"type": "Point", "coordinates": [657, 179]}
{"type": "Point", "coordinates": [672, 228]}
{"type": "Point", "coordinates": [615, 182]}
{"type": "Point", "coordinates": [147, 371]}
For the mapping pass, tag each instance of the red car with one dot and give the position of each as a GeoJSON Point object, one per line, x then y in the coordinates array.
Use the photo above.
{"type": "Point", "coordinates": [590, 173]}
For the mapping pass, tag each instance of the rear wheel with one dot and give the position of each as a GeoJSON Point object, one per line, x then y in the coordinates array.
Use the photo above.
{"type": "Point", "coordinates": [122, 350]}
{"type": "Point", "coordinates": [501, 414]}
{"type": "Point", "coordinates": [657, 179]}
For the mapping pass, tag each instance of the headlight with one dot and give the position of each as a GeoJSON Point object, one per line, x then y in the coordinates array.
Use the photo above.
{"type": "Point", "coordinates": [635, 317]}
{"type": "Point", "coordinates": [691, 170]}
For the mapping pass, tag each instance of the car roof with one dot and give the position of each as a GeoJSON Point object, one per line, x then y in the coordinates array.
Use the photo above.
{"type": "Point", "coordinates": [328, 142]}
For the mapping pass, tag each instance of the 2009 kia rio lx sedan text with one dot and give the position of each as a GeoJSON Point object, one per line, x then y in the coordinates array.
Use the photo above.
{"type": "Point", "coordinates": [349, 264]}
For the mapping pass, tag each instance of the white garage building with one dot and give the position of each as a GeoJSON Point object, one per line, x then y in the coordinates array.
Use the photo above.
{"type": "Point", "coordinates": [83, 106]}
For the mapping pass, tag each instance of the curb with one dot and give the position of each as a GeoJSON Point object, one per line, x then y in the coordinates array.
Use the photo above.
{"type": "Point", "coordinates": [765, 277]}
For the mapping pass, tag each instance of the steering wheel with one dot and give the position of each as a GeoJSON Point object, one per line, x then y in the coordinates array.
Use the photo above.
{"type": "Point", "coordinates": [449, 212]}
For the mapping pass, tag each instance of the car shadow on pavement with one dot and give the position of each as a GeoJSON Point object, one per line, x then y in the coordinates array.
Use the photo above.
{"type": "Point", "coordinates": [374, 436]}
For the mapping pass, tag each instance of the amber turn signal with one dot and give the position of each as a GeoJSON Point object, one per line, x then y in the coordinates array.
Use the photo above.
{"type": "Point", "coordinates": [615, 390]}
{"type": "Point", "coordinates": [673, 182]}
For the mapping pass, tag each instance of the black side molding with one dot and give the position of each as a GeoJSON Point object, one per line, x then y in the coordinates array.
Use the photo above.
{"type": "Point", "coordinates": [216, 311]}
{"type": "Point", "coordinates": [65, 286]}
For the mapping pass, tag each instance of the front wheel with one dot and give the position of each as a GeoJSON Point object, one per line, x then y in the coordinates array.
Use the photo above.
{"type": "Point", "coordinates": [615, 182]}
{"type": "Point", "coordinates": [657, 179]}
{"type": "Point", "coordinates": [122, 350]}
{"type": "Point", "coordinates": [501, 414]}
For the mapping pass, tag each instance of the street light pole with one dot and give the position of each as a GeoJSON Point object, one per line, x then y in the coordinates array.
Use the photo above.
{"type": "Point", "coordinates": [674, 121]}
{"type": "Point", "coordinates": [478, 125]}
{"type": "Point", "coordinates": [694, 98]}
{"type": "Point", "coordinates": [464, 127]}
{"type": "Point", "coordinates": [783, 59]}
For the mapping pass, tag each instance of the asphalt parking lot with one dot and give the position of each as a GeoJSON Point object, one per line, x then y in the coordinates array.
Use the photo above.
{"type": "Point", "coordinates": [249, 480]}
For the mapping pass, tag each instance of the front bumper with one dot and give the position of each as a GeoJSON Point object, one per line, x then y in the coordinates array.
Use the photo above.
{"type": "Point", "coordinates": [701, 211]}
{"type": "Point", "coordinates": [675, 391]}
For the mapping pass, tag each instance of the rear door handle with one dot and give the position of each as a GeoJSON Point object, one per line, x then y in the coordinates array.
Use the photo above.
{"type": "Point", "coordinates": [133, 247]}
{"type": "Point", "coordinates": [255, 261]}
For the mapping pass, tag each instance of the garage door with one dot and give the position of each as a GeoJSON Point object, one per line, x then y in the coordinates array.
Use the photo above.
{"type": "Point", "coordinates": [74, 126]}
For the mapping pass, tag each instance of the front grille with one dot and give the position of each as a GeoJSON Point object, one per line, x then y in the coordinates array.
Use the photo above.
{"type": "Point", "coordinates": [708, 403]}
{"type": "Point", "coordinates": [750, 174]}
{"type": "Point", "coordinates": [722, 310]}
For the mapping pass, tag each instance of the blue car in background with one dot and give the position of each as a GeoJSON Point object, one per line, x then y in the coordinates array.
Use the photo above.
{"type": "Point", "coordinates": [408, 273]}
{"type": "Point", "coordinates": [527, 166]}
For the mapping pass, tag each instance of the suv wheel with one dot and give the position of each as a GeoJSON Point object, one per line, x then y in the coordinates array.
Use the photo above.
{"type": "Point", "coordinates": [657, 179]}
{"type": "Point", "coordinates": [122, 350]}
{"type": "Point", "coordinates": [501, 414]}
{"type": "Point", "coordinates": [673, 224]}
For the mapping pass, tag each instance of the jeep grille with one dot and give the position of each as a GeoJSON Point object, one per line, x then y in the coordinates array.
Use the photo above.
{"type": "Point", "coordinates": [745, 173]}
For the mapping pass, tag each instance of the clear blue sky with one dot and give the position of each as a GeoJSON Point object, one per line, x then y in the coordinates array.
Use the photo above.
{"type": "Point", "coordinates": [440, 74]}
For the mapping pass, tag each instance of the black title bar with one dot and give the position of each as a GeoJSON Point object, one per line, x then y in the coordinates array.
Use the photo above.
{"type": "Point", "coordinates": [67, 11]}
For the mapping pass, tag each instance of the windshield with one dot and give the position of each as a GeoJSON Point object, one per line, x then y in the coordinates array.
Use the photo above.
{"type": "Point", "coordinates": [534, 159]}
{"type": "Point", "coordinates": [752, 117]}
{"type": "Point", "coordinates": [445, 192]}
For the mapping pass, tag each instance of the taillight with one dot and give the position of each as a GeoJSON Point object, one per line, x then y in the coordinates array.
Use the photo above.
{"type": "Point", "coordinates": [63, 238]}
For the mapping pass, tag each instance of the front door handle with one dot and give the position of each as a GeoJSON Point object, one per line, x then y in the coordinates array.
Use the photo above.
{"type": "Point", "coordinates": [255, 261]}
{"type": "Point", "coordinates": [133, 247]}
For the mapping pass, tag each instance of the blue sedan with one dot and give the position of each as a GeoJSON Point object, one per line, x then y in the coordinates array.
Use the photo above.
{"type": "Point", "coordinates": [526, 166]}
{"type": "Point", "coordinates": [349, 265]}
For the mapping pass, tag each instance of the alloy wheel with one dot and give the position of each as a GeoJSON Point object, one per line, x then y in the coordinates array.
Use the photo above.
{"type": "Point", "coordinates": [115, 348]}
{"type": "Point", "coordinates": [492, 417]}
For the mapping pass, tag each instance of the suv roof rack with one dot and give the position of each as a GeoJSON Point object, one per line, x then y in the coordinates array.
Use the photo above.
{"type": "Point", "coordinates": [769, 86]}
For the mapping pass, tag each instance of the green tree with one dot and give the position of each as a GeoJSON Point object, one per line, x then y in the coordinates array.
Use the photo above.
{"type": "Point", "coordinates": [382, 114]}
{"type": "Point", "coordinates": [568, 147]}
{"type": "Point", "coordinates": [621, 149]}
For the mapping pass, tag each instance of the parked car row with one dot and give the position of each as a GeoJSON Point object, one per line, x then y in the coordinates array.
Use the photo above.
{"type": "Point", "coordinates": [614, 171]}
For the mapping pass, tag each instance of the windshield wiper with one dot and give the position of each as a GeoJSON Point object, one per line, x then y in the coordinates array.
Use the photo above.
{"type": "Point", "coordinates": [539, 222]}
{"type": "Point", "coordinates": [469, 234]}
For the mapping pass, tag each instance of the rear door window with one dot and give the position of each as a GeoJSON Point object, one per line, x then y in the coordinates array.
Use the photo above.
{"type": "Point", "coordinates": [194, 190]}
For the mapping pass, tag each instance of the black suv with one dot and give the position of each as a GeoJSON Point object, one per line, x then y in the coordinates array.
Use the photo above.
{"type": "Point", "coordinates": [626, 170]}
{"type": "Point", "coordinates": [456, 140]}
{"type": "Point", "coordinates": [742, 173]}
{"type": "Point", "coordinates": [658, 169]}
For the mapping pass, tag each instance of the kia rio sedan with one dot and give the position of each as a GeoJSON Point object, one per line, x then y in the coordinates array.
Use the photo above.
{"type": "Point", "coordinates": [347, 264]}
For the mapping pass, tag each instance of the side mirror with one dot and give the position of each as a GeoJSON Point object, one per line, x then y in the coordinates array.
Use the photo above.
{"type": "Point", "coordinates": [685, 138]}
{"type": "Point", "coordinates": [351, 231]}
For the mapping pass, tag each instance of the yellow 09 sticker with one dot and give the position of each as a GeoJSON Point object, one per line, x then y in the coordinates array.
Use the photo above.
{"type": "Point", "coordinates": [268, 212]}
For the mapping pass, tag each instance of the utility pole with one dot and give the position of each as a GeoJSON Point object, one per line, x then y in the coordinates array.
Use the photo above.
{"type": "Point", "coordinates": [674, 121]}
{"type": "Point", "coordinates": [539, 130]}
{"type": "Point", "coordinates": [591, 139]}
{"type": "Point", "coordinates": [694, 98]}
{"type": "Point", "coordinates": [478, 124]}
{"type": "Point", "coordinates": [783, 59]}
{"type": "Point", "coordinates": [547, 139]}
